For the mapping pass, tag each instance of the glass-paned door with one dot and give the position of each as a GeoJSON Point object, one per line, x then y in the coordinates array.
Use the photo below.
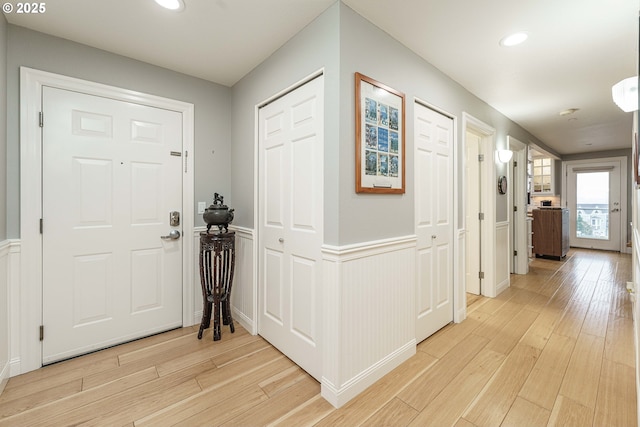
{"type": "Point", "coordinates": [592, 205]}
{"type": "Point", "coordinates": [593, 199]}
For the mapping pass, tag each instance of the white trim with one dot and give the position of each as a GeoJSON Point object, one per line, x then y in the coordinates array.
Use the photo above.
{"type": "Point", "coordinates": [31, 83]}
{"type": "Point", "coordinates": [367, 249]}
{"type": "Point", "coordinates": [518, 198]}
{"type": "Point", "coordinates": [338, 396]}
{"type": "Point", "coordinates": [488, 198]}
{"type": "Point", "coordinates": [624, 215]}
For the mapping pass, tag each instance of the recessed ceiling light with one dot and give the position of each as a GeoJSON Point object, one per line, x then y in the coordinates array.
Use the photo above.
{"type": "Point", "coordinates": [514, 39]}
{"type": "Point", "coordinates": [175, 5]}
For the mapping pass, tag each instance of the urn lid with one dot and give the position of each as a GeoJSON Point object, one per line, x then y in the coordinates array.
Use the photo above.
{"type": "Point", "coordinates": [218, 202]}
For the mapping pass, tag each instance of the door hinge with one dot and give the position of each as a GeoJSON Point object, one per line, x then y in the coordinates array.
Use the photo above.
{"type": "Point", "coordinates": [515, 164]}
{"type": "Point", "coordinates": [41, 332]}
{"type": "Point", "coordinates": [186, 156]}
{"type": "Point", "coordinates": [515, 253]}
{"type": "Point", "coordinates": [40, 119]}
{"type": "Point", "coordinates": [515, 209]}
{"type": "Point", "coordinates": [481, 157]}
{"type": "Point", "coordinates": [40, 225]}
{"type": "Point", "coordinates": [481, 216]}
{"type": "Point", "coordinates": [481, 275]}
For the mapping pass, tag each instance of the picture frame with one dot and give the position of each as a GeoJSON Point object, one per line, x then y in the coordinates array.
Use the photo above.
{"type": "Point", "coordinates": [380, 137]}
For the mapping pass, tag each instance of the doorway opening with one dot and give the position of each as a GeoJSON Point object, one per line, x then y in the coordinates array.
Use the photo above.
{"type": "Point", "coordinates": [479, 215]}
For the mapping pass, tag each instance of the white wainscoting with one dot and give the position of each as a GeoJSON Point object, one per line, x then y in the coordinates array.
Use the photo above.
{"type": "Point", "coordinates": [368, 308]}
{"type": "Point", "coordinates": [503, 258]}
{"type": "Point", "coordinates": [4, 313]}
{"type": "Point", "coordinates": [459, 286]}
{"type": "Point", "coordinates": [9, 312]}
{"type": "Point", "coordinates": [243, 296]}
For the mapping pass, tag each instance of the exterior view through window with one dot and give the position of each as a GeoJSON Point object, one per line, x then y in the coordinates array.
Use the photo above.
{"type": "Point", "coordinates": [592, 205]}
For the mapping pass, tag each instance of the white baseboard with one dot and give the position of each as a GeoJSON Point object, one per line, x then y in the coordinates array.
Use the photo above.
{"type": "Point", "coordinates": [339, 396]}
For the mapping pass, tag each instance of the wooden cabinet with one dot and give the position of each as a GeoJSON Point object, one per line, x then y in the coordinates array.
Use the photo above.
{"type": "Point", "coordinates": [551, 232]}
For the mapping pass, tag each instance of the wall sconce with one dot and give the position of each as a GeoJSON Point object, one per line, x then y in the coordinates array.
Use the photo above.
{"type": "Point", "coordinates": [505, 155]}
{"type": "Point", "coordinates": [625, 94]}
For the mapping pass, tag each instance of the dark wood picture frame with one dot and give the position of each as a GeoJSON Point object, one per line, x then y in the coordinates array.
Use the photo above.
{"type": "Point", "coordinates": [380, 137]}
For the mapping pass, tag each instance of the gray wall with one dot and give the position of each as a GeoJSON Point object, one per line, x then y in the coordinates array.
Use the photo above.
{"type": "Point", "coordinates": [43, 52]}
{"type": "Point", "coordinates": [3, 128]}
{"type": "Point", "coordinates": [340, 41]}
{"type": "Point", "coordinates": [315, 47]}
{"type": "Point", "coordinates": [368, 50]}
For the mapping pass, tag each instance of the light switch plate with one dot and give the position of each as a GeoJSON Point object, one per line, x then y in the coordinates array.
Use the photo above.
{"type": "Point", "coordinates": [201, 207]}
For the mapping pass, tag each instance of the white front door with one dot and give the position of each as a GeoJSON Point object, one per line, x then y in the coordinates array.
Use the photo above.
{"type": "Point", "coordinates": [434, 220]}
{"type": "Point", "coordinates": [595, 206]}
{"type": "Point", "coordinates": [111, 176]}
{"type": "Point", "coordinates": [290, 234]}
{"type": "Point", "coordinates": [472, 211]}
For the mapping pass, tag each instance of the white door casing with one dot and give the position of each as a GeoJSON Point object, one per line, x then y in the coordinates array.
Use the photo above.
{"type": "Point", "coordinates": [110, 182]}
{"type": "Point", "coordinates": [26, 320]}
{"type": "Point", "coordinates": [434, 154]}
{"type": "Point", "coordinates": [473, 186]}
{"type": "Point", "coordinates": [484, 135]}
{"type": "Point", "coordinates": [517, 189]}
{"type": "Point", "coordinates": [290, 223]}
{"type": "Point", "coordinates": [616, 168]}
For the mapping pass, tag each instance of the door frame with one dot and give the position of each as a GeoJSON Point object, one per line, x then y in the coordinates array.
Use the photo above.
{"type": "Point", "coordinates": [459, 305]}
{"type": "Point", "coordinates": [624, 214]}
{"type": "Point", "coordinates": [26, 323]}
{"type": "Point", "coordinates": [517, 194]}
{"type": "Point", "coordinates": [487, 199]}
{"type": "Point", "coordinates": [256, 193]}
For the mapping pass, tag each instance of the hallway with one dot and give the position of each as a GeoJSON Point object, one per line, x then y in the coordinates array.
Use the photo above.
{"type": "Point", "coordinates": [554, 349]}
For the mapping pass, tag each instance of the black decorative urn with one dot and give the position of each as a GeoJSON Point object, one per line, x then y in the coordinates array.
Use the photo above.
{"type": "Point", "coordinates": [218, 214]}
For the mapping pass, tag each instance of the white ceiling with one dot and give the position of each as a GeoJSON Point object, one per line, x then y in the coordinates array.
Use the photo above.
{"type": "Point", "coordinates": [576, 51]}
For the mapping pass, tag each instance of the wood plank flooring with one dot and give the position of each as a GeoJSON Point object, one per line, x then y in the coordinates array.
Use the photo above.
{"type": "Point", "coordinates": [555, 349]}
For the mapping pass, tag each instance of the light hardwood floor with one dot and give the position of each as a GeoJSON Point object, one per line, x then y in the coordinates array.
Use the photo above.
{"type": "Point", "coordinates": [554, 349]}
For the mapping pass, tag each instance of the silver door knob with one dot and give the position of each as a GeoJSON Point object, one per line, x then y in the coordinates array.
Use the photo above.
{"type": "Point", "coordinates": [281, 240]}
{"type": "Point", "coordinates": [173, 235]}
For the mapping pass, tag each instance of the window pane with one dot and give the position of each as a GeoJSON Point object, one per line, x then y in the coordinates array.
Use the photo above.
{"type": "Point", "coordinates": [592, 205]}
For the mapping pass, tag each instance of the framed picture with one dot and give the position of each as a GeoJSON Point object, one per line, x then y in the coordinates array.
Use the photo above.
{"type": "Point", "coordinates": [380, 157]}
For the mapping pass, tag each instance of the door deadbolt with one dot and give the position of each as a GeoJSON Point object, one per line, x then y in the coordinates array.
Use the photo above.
{"type": "Point", "coordinates": [174, 218]}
